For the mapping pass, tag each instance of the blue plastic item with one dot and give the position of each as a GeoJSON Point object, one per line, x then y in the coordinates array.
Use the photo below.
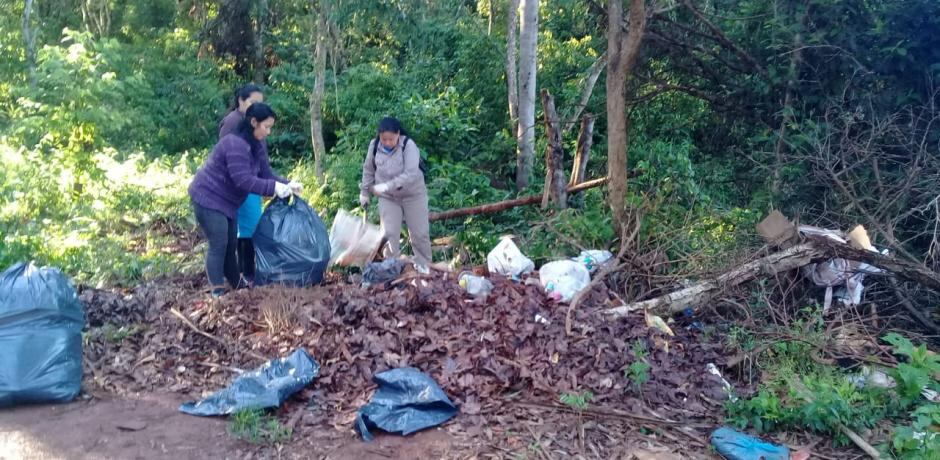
{"type": "Point", "coordinates": [249, 214]}
{"type": "Point", "coordinates": [264, 387]}
{"type": "Point", "coordinates": [734, 445]}
{"type": "Point", "coordinates": [41, 321]}
{"type": "Point", "coordinates": [407, 401]}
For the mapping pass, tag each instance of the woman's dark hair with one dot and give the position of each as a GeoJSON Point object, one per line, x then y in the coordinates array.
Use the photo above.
{"type": "Point", "coordinates": [258, 111]}
{"type": "Point", "coordinates": [244, 93]}
{"type": "Point", "coordinates": [391, 125]}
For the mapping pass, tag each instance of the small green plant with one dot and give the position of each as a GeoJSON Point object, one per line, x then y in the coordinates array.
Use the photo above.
{"type": "Point", "coordinates": [254, 426]}
{"type": "Point", "coordinates": [921, 440]}
{"type": "Point", "coordinates": [577, 401]}
{"type": "Point", "coordinates": [917, 373]}
{"type": "Point", "coordinates": [638, 371]}
{"type": "Point", "coordinates": [115, 334]}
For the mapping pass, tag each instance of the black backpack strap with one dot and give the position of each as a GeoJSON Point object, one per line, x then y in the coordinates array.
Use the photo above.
{"type": "Point", "coordinates": [375, 146]}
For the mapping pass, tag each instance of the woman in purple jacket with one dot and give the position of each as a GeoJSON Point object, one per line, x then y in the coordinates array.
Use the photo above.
{"type": "Point", "coordinates": [237, 166]}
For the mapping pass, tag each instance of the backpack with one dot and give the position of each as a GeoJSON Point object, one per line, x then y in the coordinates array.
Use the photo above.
{"type": "Point", "coordinates": [422, 165]}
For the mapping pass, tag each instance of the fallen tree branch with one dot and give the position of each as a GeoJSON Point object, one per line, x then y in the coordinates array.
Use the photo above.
{"type": "Point", "coordinates": [786, 260]}
{"type": "Point", "coordinates": [814, 249]}
{"type": "Point", "coordinates": [911, 308]}
{"type": "Point", "coordinates": [509, 204]}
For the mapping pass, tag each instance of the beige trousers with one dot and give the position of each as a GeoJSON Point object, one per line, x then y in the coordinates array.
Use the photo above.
{"type": "Point", "coordinates": [414, 211]}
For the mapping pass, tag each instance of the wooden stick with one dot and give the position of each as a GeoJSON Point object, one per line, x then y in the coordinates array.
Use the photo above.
{"type": "Point", "coordinates": [195, 329]}
{"type": "Point", "coordinates": [555, 186]}
{"type": "Point", "coordinates": [509, 204]}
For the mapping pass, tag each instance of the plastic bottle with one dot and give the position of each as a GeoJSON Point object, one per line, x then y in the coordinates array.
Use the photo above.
{"type": "Point", "coordinates": [475, 285]}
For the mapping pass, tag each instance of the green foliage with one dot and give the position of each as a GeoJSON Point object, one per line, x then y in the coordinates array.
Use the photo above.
{"type": "Point", "coordinates": [256, 427]}
{"type": "Point", "coordinates": [638, 371]}
{"type": "Point", "coordinates": [821, 398]}
{"type": "Point", "coordinates": [577, 401]}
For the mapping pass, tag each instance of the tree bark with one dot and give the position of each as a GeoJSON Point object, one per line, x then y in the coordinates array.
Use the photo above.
{"type": "Point", "coordinates": [528, 46]}
{"type": "Point", "coordinates": [512, 69]}
{"type": "Point", "coordinates": [622, 51]}
{"type": "Point", "coordinates": [319, 86]}
{"type": "Point", "coordinates": [508, 204]}
{"type": "Point", "coordinates": [555, 186]}
{"type": "Point", "coordinates": [29, 36]}
{"type": "Point", "coordinates": [260, 66]}
{"type": "Point", "coordinates": [593, 74]}
{"type": "Point", "coordinates": [96, 15]}
{"type": "Point", "coordinates": [583, 154]}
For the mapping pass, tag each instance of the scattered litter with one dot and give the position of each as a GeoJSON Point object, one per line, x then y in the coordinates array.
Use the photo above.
{"type": "Point", "coordinates": [265, 387]}
{"type": "Point", "coordinates": [407, 401]}
{"type": "Point", "coordinates": [593, 259]}
{"type": "Point", "coordinates": [734, 445]}
{"type": "Point", "coordinates": [845, 274]}
{"type": "Point", "coordinates": [507, 259]}
{"type": "Point", "coordinates": [291, 244]}
{"type": "Point", "coordinates": [382, 272]}
{"type": "Point", "coordinates": [353, 240]}
{"type": "Point", "coordinates": [41, 321]}
{"type": "Point", "coordinates": [475, 285]}
{"type": "Point", "coordinates": [563, 279]}
{"type": "Point", "coordinates": [656, 322]}
{"type": "Point", "coordinates": [713, 370]}
{"type": "Point", "coordinates": [541, 319]}
{"type": "Point", "coordinates": [879, 379]}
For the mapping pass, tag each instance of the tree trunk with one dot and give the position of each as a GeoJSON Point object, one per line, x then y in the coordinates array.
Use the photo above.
{"type": "Point", "coordinates": [622, 51]}
{"type": "Point", "coordinates": [528, 42]}
{"type": "Point", "coordinates": [585, 141]}
{"type": "Point", "coordinates": [29, 36]}
{"type": "Point", "coordinates": [96, 16]}
{"type": "Point", "coordinates": [554, 157]}
{"type": "Point", "coordinates": [319, 86]}
{"type": "Point", "coordinates": [593, 74]}
{"type": "Point", "coordinates": [489, 19]}
{"type": "Point", "coordinates": [262, 18]}
{"type": "Point", "coordinates": [508, 204]}
{"type": "Point", "coordinates": [512, 68]}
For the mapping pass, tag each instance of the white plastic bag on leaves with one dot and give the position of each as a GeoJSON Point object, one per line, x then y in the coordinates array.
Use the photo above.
{"type": "Point", "coordinates": [507, 259]}
{"type": "Point", "coordinates": [562, 279]}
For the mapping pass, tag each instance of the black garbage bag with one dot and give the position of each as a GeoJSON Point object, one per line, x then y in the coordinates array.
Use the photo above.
{"type": "Point", "coordinates": [41, 321]}
{"type": "Point", "coordinates": [264, 387]}
{"type": "Point", "coordinates": [407, 401]}
{"type": "Point", "coordinates": [382, 272]}
{"type": "Point", "coordinates": [292, 245]}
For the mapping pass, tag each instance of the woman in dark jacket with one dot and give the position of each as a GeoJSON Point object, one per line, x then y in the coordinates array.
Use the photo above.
{"type": "Point", "coordinates": [237, 166]}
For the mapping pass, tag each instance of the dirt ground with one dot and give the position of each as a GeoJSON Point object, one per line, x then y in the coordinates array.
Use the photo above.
{"type": "Point", "coordinates": [151, 427]}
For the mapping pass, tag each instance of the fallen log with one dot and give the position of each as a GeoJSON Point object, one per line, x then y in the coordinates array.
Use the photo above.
{"type": "Point", "coordinates": [509, 204]}
{"type": "Point", "coordinates": [813, 249]}
{"type": "Point", "coordinates": [788, 259]}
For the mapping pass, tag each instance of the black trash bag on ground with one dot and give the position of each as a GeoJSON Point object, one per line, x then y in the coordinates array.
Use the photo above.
{"type": "Point", "coordinates": [265, 387]}
{"type": "Point", "coordinates": [41, 321]}
{"type": "Point", "coordinates": [292, 245]}
{"type": "Point", "coordinates": [406, 402]}
{"type": "Point", "coordinates": [382, 272]}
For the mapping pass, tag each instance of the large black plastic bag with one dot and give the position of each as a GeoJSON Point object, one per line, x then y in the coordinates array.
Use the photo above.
{"type": "Point", "coordinates": [41, 321]}
{"type": "Point", "coordinates": [264, 387]}
{"type": "Point", "coordinates": [407, 401]}
{"type": "Point", "coordinates": [292, 245]}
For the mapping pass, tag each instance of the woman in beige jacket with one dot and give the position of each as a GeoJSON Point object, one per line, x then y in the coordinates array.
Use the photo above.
{"type": "Point", "coordinates": [393, 172]}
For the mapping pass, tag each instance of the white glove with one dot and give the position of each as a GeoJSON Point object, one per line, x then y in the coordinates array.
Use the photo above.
{"type": "Point", "coordinates": [380, 189]}
{"type": "Point", "coordinates": [295, 187]}
{"type": "Point", "coordinates": [281, 190]}
{"type": "Point", "coordinates": [364, 201]}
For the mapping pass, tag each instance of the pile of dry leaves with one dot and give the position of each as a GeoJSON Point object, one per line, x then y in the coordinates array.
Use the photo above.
{"type": "Point", "coordinates": [503, 359]}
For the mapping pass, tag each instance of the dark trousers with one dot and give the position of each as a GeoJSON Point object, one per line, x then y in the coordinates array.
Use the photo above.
{"type": "Point", "coordinates": [246, 259]}
{"type": "Point", "coordinates": [221, 232]}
